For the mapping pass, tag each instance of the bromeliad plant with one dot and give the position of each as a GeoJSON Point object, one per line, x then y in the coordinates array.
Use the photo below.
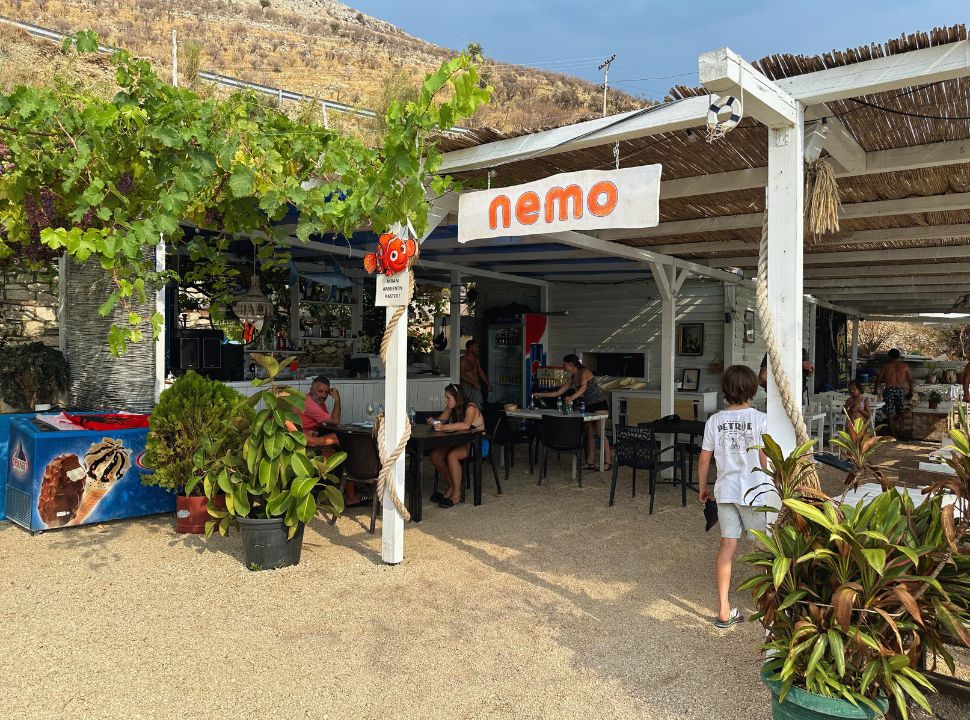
{"type": "Point", "coordinates": [852, 596]}
{"type": "Point", "coordinates": [271, 475]}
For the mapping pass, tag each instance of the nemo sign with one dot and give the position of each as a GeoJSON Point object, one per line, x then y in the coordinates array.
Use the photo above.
{"type": "Point", "coordinates": [587, 200]}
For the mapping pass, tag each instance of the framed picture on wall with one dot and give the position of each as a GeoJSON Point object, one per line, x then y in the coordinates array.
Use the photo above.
{"type": "Point", "coordinates": [690, 339]}
{"type": "Point", "coordinates": [691, 379]}
{"type": "Point", "coordinates": [749, 325]}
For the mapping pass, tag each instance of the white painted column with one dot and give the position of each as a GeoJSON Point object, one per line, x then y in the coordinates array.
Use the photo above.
{"type": "Point", "coordinates": [812, 331]}
{"type": "Point", "coordinates": [455, 326]}
{"type": "Point", "coordinates": [785, 201]}
{"type": "Point", "coordinates": [668, 283]}
{"type": "Point", "coordinates": [855, 349]}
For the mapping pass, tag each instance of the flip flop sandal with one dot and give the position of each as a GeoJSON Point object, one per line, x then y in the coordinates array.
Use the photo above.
{"type": "Point", "coordinates": [733, 619]}
{"type": "Point", "coordinates": [446, 503]}
{"type": "Point", "coordinates": [436, 497]}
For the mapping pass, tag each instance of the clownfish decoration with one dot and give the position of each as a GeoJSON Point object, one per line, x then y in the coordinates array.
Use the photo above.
{"type": "Point", "coordinates": [392, 256]}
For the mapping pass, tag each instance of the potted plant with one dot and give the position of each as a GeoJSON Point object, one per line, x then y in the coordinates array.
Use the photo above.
{"type": "Point", "coordinates": [31, 375]}
{"type": "Point", "coordinates": [852, 596]}
{"type": "Point", "coordinates": [188, 415]}
{"type": "Point", "coordinates": [934, 399]}
{"type": "Point", "coordinates": [270, 479]}
{"type": "Point", "coordinates": [932, 371]}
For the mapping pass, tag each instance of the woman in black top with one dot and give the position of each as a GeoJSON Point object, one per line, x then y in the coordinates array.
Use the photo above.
{"type": "Point", "coordinates": [459, 414]}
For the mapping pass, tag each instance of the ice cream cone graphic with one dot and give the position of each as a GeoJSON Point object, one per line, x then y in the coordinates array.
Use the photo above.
{"type": "Point", "coordinates": [106, 462]}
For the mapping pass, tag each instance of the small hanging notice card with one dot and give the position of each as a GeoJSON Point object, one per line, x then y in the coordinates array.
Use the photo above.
{"type": "Point", "coordinates": [392, 290]}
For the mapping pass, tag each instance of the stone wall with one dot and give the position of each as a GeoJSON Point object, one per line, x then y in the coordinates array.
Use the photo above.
{"type": "Point", "coordinates": [28, 307]}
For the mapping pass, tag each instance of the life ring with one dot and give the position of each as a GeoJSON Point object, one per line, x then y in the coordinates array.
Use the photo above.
{"type": "Point", "coordinates": [719, 106]}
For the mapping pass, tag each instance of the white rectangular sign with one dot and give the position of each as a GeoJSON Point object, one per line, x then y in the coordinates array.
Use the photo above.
{"type": "Point", "coordinates": [392, 291]}
{"type": "Point", "coordinates": [586, 200]}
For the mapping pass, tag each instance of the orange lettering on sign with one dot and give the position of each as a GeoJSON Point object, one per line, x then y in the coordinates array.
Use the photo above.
{"type": "Point", "coordinates": [562, 196]}
{"type": "Point", "coordinates": [505, 205]}
{"type": "Point", "coordinates": [527, 208]}
{"type": "Point", "coordinates": [602, 208]}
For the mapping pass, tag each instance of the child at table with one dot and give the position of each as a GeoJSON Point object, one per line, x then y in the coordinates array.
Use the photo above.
{"type": "Point", "coordinates": [857, 405]}
{"type": "Point", "coordinates": [732, 437]}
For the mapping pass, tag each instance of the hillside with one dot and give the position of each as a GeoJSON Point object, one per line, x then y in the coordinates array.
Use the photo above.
{"type": "Point", "coordinates": [318, 47]}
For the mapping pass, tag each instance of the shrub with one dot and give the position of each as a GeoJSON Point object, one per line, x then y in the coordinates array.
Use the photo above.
{"type": "Point", "coordinates": [31, 374]}
{"type": "Point", "coordinates": [192, 409]}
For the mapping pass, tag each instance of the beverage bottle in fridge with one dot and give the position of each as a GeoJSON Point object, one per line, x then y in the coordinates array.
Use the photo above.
{"type": "Point", "coordinates": [559, 404]}
{"type": "Point", "coordinates": [582, 406]}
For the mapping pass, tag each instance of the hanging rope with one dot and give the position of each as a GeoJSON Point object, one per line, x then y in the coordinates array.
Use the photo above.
{"type": "Point", "coordinates": [384, 479]}
{"type": "Point", "coordinates": [782, 382]}
{"type": "Point", "coordinates": [822, 203]}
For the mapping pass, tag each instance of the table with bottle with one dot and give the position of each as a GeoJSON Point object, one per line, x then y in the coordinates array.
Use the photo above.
{"type": "Point", "coordinates": [568, 409]}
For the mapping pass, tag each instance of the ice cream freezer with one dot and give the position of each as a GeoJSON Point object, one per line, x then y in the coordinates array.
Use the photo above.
{"type": "Point", "coordinates": [60, 478]}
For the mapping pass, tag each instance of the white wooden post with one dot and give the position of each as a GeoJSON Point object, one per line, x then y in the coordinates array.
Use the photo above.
{"type": "Point", "coordinates": [455, 326]}
{"type": "Point", "coordinates": [785, 198]}
{"type": "Point", "coordinates": [668, 282]}
{"type": "Point", "coordinates": [812, 329]}
{"type": "Point", "coordinates": [855, 349]}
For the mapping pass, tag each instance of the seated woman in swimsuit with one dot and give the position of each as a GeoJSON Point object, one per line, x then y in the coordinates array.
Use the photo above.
{"type": "Point", "coordinates": [459, 414]}
{"type": "Point", "coordinates": [857, 405]}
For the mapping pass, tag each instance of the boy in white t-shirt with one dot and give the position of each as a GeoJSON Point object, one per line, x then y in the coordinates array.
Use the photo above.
{"type": "Point", "coordinates": [729, 437]}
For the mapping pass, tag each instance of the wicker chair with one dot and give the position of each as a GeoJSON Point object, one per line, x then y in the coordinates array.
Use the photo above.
{"type": "Point", "coordinates": [637, 448]}
{"type": "Point", "coordinates": [562, 433]}
{"type": "Point", "coordinates": [362, 466]}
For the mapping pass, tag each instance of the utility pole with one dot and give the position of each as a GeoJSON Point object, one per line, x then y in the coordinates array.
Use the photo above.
{"type": "Point", "coordinates": [175, 59]}
{"type": "Point", "coordinates": [605, 67]}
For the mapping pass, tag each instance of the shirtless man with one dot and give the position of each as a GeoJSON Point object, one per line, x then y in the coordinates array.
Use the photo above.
{"type": "Point", "coordinates": [893, 375]}
{"type": "Point", "coordinates": [472, 374]}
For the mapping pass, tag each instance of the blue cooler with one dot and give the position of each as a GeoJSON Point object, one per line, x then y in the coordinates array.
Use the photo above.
{"type": "Point", "coordinates": [5, 420]}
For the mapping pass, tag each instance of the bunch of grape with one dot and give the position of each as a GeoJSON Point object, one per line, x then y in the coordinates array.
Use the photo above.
{"type": "Point", "coordinates": [124, 183]}
{"type": "Point", "coordinates": [6, 164]}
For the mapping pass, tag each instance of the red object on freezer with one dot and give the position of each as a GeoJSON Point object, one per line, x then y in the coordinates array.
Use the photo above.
{"type": "Point", "coordinates": [109, 421]}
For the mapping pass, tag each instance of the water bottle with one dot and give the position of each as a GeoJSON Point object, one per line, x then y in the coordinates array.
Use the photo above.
{"type": "Point", "coordinates": [582, 406]}
{"type": "Point", "coordinates": [559, 404]}
{"type": "Point", "coordinates": [412, 413]}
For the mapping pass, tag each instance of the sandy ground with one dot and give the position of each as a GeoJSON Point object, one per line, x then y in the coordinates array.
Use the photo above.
{"type": "Point", "coordinates": [541, 603]}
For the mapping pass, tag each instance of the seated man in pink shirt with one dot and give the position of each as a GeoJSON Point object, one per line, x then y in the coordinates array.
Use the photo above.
{"type": "Point", "coordinates": [318, 424]}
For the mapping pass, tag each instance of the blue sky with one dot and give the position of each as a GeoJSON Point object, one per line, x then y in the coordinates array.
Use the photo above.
{"type": "Point", "coordinates": [655, 40]}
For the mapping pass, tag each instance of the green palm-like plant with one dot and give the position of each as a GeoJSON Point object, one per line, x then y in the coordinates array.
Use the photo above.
{"type": "Point", "coordinates": [859, 443]}
{"type": "Point", "coordinates": [272, 474]}
{"type": "Point", "coordinates": [853, 595]}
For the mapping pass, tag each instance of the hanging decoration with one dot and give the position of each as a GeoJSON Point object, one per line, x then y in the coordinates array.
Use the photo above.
{"type": "Point", "coordinates": [822, 202]}
{"type": "Point", "coordinates": [717, 128]}
{"type": "Point", "coordinates": [393, 255]}
{"type": "Point", "coordinates": [251, 309]}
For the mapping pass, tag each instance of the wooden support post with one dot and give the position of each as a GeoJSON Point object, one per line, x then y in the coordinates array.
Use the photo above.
{"type": "Point", "coordinates": [785, 202]}
{"type": "Point", "coordinates": [455, 326]}
{"type": "Point", "coordinates": [854, 367]}
{"type": "Point", "coordinates": [668, 280]}
{"type": "Point", "coordinates": [730, 324]}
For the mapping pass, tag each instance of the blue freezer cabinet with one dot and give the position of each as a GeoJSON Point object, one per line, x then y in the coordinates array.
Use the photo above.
{"type": "Point", "coordinates": [5, 420]}
{"type": "Point", "coordinates": [62, 478]}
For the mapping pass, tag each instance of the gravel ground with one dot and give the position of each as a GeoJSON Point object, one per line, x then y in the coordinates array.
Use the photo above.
{"type": "Point", "coordinates": [543, 602]}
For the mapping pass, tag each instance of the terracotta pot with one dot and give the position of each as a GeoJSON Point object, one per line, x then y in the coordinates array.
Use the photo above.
{"type": "Point", "coordinates": [934, 405]}
{"type": "Point", "coordinates": [191, 514]}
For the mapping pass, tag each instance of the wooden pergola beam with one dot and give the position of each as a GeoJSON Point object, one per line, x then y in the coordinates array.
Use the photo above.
{"type": "Point", "coordinates": [918, 270]}
{"type": "Point", "coordinates": [913, 290]}
{"type": "Point", "coordinates": [873, 280]}
{"type": "Point", "coordinates": [724, 72]}
{"type": "Point", "coordinates": [925, 254]}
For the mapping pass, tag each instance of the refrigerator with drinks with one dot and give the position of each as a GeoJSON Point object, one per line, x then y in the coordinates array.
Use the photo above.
{"type": "Point", "coordinates": [517, 347]}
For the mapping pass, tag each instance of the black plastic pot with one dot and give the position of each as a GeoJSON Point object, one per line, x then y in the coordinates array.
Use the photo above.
{"type": "Point", "coordinates": [266, 545]}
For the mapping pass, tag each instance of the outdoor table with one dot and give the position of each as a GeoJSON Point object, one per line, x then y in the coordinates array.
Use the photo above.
{"type": "Point", "coordinates": [588, 417]}
{"type": "Point", "coordinates": [425, 437]}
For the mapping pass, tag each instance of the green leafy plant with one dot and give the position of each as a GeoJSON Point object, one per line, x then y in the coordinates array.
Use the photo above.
{"type": "Point", "coordinates": [271, 474]}
{"type": "Point", "coordinates": [859, 443]}
{"type": "Point", "coordinates": [189, 415]}
{"type": "Point", "coordinates": [31, 374]}
{"type": "Point", "coordinates": [852, 595]}
{"type": "Point", "coordinates": [934, 397]}
{"type": "Point", "coordinates": [106, 179]}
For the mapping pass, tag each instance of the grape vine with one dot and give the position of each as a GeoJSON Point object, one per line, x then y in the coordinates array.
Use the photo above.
{"type": "Point", "coordinates": [104, 180]}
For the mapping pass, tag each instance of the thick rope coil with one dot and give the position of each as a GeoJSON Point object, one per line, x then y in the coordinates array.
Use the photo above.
{"type": "Point", "coordinates": [384, 479]}
{"type": "Point", "coordinates": [782, 381]}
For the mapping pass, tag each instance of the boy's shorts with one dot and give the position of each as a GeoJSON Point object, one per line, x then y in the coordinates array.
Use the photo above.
{"type": "Point", "coordinates": [735, 519]}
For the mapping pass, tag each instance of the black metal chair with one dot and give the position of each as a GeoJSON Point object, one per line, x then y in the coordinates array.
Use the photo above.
{"type": "Point", "coordinates": [637, 448]}
{"type": "Point", "coordinates": [562, 433]}
{"type": "Point", "coordinates": [362, 466]}
{"type": "Point", "coordinates": [502, 434]}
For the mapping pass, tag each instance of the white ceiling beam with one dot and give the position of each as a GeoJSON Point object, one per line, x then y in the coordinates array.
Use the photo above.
{"type": "Point", "coordinates": [850, 211]}
{"type": "Point", "coordinates": [953, 152]}
{"type": "Point", "coordinates": [839, 143]}
{"type": "Point", "coordinates": [588, 242]}
{"type": "Point", "coordinates": [918, 67]}
{"type": "Point", "coordinates": [724, 72]}
{"type": "Point", "coordinates": [901, 290]}
{"type": "Point", "coordinates": [908, 316]}
{"type": "Point", "coordinates": [483, 256]}
{"type": "Point", "coordinates": [592, 280]}
{"type": "Point", "coordinates": [928, 270]}
{"type": "Point", "coordinates": [337, 251]}
{"type": "Point", "coordinates": [688, 113]}
{"type": "Point", "coordinates": [875, 279]}
{"type": "Point", "coordinates": [857, 237]}
{"type": "Point", "coordinates": [925, 254]}
{"type": "Point", "coordinates": [545, 268]}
